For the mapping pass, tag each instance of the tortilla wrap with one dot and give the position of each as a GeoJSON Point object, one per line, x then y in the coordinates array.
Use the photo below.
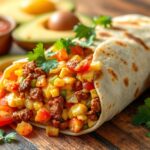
{"type": "Point", "coordinates": [124, 51]}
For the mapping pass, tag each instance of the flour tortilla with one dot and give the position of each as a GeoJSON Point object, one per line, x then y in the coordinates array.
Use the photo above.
{"type": "Point", "coordinates": [124, 52]}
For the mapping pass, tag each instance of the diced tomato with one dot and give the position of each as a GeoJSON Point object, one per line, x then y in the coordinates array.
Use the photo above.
{"type": "Point", "coordinates": [62, 55]}
{"type": "Point", "coordinates": [11, 86]}
{"type": "Point", "coordinates": [43, 115]}
{"type": "Point", "coordinates": [77, 50]}
{"type": "Point", "coordinates": [13, 76]}
{"type": "Point", "coordinates": [5, 119]}
{"type": "Point", "coordinates": [2, 92]}
{"type": "Point", "coordinates": [88, 85]}
{"type": "Point", "coordinates": [6, 109]}
{"type": "Point", "coordinates": [3, 102]}
{"type": "Point", "coordinates": [84, 65]}
{"type": "Point", "coordinates": [72, 65]}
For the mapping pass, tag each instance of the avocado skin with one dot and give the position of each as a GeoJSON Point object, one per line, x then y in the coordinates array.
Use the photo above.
{"type": "Point", "coordinates": [29, 43]}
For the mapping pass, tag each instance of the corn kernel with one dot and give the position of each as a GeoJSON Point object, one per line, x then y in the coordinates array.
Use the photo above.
{"type": "Point", "coordinates": [88, 76]}
{"type": "Point", "coordinates": [64, 72]}
{"type": "Point", "coordinates": [37, 105]}
{"type": "Point", "coordinates": [91, 123]}
{"type": "Point", "coordinates": [54, 92]}
{"type": "Point", "coordinates": [69, 80]}
{"type": "Point", "coordinates": [76, 57]}
{"type": "Point", "coordinates": [41, 81]}
{"type": "Point", "coordinates": [95, 66]}
{"type": "Point", "coordinates": [14, 101]}
{"type": "Point", "coordinates": [52, 131]}
{"type": "Point", "coordinates": [93, 93]}
{"type": "Point", "coordinates": [77, 109]}
{"type": "Point", "coordinates": [65, 114]}
{"type": "Point", "coordinates": [46, 91]}
{"type": "Point", "coordinates": [29, 104]}
{"type": "Point", "coordinates": [82, 117]}
{"type": "Point", "coordinates": [59, 82]}
{"type": "Point", "coordinates": [19, 72]}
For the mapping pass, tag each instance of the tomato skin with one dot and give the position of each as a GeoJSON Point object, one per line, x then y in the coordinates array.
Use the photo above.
{"type": "Point", "coordinates": [88, 85]}
{"type": "Point", "coordinates": [2, 92]}
{"type": "Point", "coordinates": [43, 115]}
{"type": "Point", "coordinates": [62, 55]}
{"type": "Point", "coordinates": [77, 50]}
{"type": "Point", "coordinates": [13, 77]}
{"type": "Point", "coordinates": [83, 68]}
{"type": "Point", "coordinates": [5, 118]}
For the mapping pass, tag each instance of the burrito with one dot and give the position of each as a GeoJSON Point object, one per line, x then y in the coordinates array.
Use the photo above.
{"type": "Point", "coordinates": [85, 87]}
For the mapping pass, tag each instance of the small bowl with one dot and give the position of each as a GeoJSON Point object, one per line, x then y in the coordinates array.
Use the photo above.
{"type": "Point", "coordinates": [5, 36]}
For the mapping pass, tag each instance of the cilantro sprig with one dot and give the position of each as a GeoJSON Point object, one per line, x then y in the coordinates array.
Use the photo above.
{"type": "Point", "coordinates": [38, 55]}
{"type": "Point", "coordinates": [63, 44]}
{"type": "Point", "coordinates": [86, 33]}
{"type": "Point", "coordinates": [143, 115]}
{"type": "Point", "coordinates": [7, 138]}
{"type": "Point", "coordinates": [105, 21]}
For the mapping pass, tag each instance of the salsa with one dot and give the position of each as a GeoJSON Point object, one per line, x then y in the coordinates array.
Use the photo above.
{"type": "Point", "coordinates": [4, 26]}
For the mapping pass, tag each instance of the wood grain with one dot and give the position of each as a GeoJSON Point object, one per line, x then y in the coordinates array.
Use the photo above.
{"type": "Point", "coordinates": [119, 133]}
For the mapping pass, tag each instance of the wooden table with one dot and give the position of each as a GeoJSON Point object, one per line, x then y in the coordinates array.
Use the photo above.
{"type": "Point", "coordinates": [119, 133]}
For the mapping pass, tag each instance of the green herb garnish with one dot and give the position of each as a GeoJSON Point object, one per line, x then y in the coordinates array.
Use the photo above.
{"type": "Point", "coordinates": [105, 21]}
{"type": "Point", "coordinates": [143, 115]}
{"type": "Point", "coordinates": [38, 55]}
{"type": "Point", "coordinates": [63, 44]}
{"type": "Point", "coordinates": [85, 32]}
{"type": "Point", "coordinates": [9, 138]}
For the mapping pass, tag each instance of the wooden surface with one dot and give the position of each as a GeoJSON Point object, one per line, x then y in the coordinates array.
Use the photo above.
{"type": "Point", "coordinates": [116, 134]}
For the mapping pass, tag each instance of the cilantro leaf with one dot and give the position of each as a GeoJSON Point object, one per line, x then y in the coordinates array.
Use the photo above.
{"type": "Point", "coordinates": [48, 65]}
{"type": "Point", "coordinates": [88, 33]}
{"type": "Point", "coordinates": [37, 53]}
{"type": "Point", "coordinates": [63, 44]}
{"type": "Point", "coordinates": [143, 115]}
{"type": "Point", "coordinates": [147, 102]}
{"type": "Point", "coordinates": [105, 21]}
{"type": "Point", "coordinates": [148, 134]}
{"type": "Point", "coordinates": [50, 54]}
{"type": "Point", "coordinates": [10, 137]}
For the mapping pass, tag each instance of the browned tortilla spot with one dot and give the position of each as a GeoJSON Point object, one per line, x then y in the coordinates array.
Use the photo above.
{"type": "Point", "coordinates": [134, 23]}
{"type": "Point", "coordinates": [105, 34]}
{"type": "Point", "coordinates": [118, 28]}
{"type": "Point", "coordinates": [134, 67]}
{"type": "Point", "coordinates": [136, 92]}
{"type": "Point", "coordinates": [121, 43]}
{"type": "Point", "coordinates": [126, 81]}
{"type": "Point", "coordinates": [123, 61]}
{"type": "Point", "coordinates": [137, 39]}
{"type": "Point", "coordinates": [113, 74]}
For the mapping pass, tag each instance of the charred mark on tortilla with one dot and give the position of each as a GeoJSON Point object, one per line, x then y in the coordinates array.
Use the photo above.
{"type": "Point", "coordinates": [134, 67]}
{"type": "Point", "coordinates": [122, 60]}
{"type": "Point", "coordinates": [136, 94]}
{"type": "Point", "coordinates": [133, 23]}
{"type": "Point", "coordinates": [118, 28]}
{"type": "Point", "coordinates": [126, 81]}
{"type": "Point", "coordinates": [137, 39]}
{"type": "Point", "coordinates": [113, 74]}
{"type": "Point", "coordinates": [121, 43]}
{"type": "Point", "coordinates": [105, 34]}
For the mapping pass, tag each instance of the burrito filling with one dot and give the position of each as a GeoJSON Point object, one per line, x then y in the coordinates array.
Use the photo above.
{"type": "Point", "coordinates": [63, 98]}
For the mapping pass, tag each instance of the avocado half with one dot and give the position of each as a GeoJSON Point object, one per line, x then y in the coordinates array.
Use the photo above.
{"type": "Point", "coordinates": [29, 34]}
{"type": "Point", "coordinates": [12, 8]}
{"type": "Point", "coordinates": [7, 60]}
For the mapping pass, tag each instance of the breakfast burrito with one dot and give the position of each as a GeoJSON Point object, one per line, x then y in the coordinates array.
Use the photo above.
{"type": "Point", "coordinates": [75, 90]}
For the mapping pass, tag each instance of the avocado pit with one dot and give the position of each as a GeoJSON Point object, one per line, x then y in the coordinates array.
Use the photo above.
{"type": "Point", "coordinates": [62, 21]}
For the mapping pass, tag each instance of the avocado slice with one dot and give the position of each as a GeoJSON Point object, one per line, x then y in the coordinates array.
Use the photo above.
{"type": "Point", "coordinates": [7, 60]}
{"type": "Point", "coordinates": [12, 8]}
{"type": "Point", "coordinates": [29, 34]}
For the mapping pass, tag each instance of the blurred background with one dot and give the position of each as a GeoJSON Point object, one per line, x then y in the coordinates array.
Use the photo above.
{"type": "Point", "coordinates": [22, 9]}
